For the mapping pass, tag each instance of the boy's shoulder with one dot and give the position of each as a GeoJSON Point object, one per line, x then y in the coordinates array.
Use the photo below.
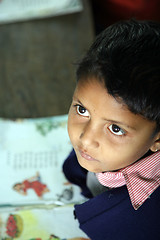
{"type": "Point", "coordinates": [114, 208]}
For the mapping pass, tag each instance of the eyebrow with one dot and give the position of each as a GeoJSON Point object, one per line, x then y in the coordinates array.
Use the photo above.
{"type": "Point", "coordinates": [120, 123]}
{"type": "Point", "coordinates": [76, 99]}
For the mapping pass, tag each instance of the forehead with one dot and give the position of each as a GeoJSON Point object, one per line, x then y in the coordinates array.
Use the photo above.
{"type": "Point", "coordinates": [93, 95]}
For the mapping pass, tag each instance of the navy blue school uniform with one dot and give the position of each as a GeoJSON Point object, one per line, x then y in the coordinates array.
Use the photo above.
{"type": "Point", "coordinates": [110, 215]}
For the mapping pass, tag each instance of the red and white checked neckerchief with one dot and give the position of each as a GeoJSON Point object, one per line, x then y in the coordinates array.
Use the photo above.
{"type": "Point", "coordinates": [141, 178]}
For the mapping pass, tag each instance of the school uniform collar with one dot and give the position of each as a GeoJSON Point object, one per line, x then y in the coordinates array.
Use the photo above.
{"type": "Point", "coordinates": [141, 178]}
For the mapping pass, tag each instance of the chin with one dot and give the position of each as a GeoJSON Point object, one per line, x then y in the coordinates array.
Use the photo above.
{"type": "Point", "coordinates": [89, 167]}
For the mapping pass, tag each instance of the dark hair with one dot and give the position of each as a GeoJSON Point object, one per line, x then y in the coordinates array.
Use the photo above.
{"type": "Point", "coordinates": [126, 56]}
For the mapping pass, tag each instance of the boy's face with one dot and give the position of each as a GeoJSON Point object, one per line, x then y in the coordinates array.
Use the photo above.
{"type": "Point", "coordinates": [105, 135]}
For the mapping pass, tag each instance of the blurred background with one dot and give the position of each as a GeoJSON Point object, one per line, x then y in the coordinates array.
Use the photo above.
{"type": "Point", "coordinates": [38, 54]}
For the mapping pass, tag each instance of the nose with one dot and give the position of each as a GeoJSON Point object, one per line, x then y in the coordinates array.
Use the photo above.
{"type": "Point", "coordinates": [89, 135]}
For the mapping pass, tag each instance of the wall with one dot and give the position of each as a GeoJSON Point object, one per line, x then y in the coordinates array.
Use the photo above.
{"type": "Point", "coordinates": [37, 75]}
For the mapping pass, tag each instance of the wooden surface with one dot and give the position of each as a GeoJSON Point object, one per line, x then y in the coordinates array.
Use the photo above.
{"type": "Point", "coordinates": [37, 75]}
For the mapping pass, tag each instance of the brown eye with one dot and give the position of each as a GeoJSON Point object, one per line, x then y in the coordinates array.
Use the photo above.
{"type": "Point", "coordinates": [82, 111]}
{"type": "Point", "coordinates": [115, 129]}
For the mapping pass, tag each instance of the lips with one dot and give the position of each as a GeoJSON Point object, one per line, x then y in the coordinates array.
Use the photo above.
{"type": "Point", "coordinates": [87, 156]}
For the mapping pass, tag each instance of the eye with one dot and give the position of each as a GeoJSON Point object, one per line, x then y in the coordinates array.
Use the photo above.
{"type": "Point", "coordinates": [116, 130]}
{"type": "Point", "coordinates": [82, 111]}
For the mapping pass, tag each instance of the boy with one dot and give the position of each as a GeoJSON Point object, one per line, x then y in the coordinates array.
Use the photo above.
{"type": "Point", "coordinates": [114, 127]}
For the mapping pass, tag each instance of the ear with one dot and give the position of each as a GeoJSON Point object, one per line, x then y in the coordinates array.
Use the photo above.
{"type": "Point", "coordinates": [156, 145]}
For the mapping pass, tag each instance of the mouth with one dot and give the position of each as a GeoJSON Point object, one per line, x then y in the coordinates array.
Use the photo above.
{"type": "Point", "coordinates": [86, 156]}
